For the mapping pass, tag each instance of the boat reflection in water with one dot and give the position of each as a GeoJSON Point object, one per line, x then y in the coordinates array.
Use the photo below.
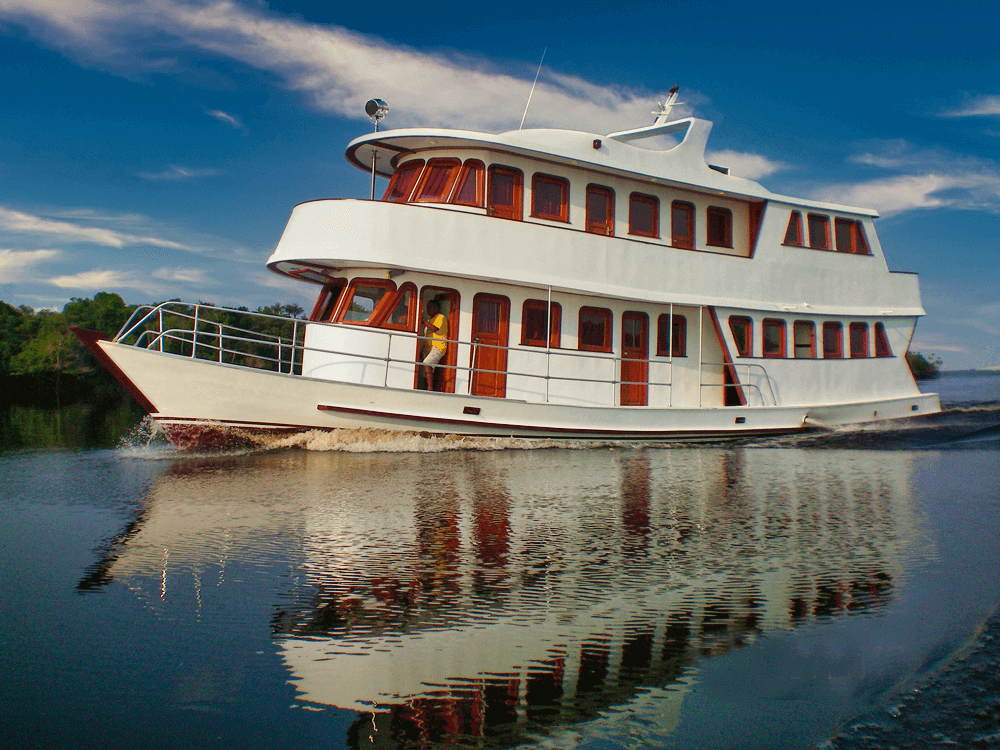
{"type": "Point", "coordinates": [506, 595]}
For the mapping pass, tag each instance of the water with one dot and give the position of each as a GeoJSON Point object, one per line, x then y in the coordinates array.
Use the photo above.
{"type": "Point", "coordinates": [837, 590]}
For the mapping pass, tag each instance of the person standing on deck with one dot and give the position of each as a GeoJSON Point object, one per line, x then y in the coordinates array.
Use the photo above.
{"type": "Point", "coordinates": [437, 324]}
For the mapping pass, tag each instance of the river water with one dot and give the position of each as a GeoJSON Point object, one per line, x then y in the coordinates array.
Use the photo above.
{"type": "Point", "coordinates": [837, 590]}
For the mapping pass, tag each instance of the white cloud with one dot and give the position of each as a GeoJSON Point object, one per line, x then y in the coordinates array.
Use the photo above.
{"type": "Point", "coordinates": [978, 107]}
{"type": "Point", "coordinates": [187, 275]}
{"type": "Point", "coordinates": [99, 280]}
{"type": "Point", "coordinates": [20, 222]}
{"type": "Point", "coordinates": [337, 69]}
{"type": "Point", "coordinates": [13, 263]}
{"type": "Point", "coordinates": [175, 173]}
{"type": "Point", "coordinates": [929, 179]}
{"type": "Point", "coordinates": [232, 120]}
{"type": "Point", "coordinates": [742, 164]}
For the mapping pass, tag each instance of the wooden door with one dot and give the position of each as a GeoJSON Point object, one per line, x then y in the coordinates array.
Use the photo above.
{"type": "Point", "coordinates": [635, 359]}
{"type": "Point", "coordinates": [444, 375]}
{"type": "Point", "coordinates": [490, 318]}
{"type": "Point", "coordinates": [504, 197]}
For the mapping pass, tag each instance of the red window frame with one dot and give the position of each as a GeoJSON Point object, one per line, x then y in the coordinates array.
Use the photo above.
{"type": "Point", "coordinates": [402, 182]}
{"type": "Point", "coordinates": [539, 210]}
{"type": "Point", "coordinates": [474, 170]}
{"type": "Point", "coordinates": [793, 235]}
{"type": "Point", "coordinates": [810, 348]}
{"type": "Point", "coordinates": [676, 346]}
{"type": "Point", "coordinates": [326, 302]}
{"type": "Point", "coordinates": [849, 237]}
{"type": "Point", "coordinates": [882, 348]}
{"type": "Point", "coordinates": [857, 335]}
{"type": "Point", "coordinates": [833, 340]}
{"type": "Point", "coordinates": [743, 324]}
{"type": "Point", "coordinates": [439, 175]}
{"type": "Point", "coordinates": [535, 308]}
{"type": "Point", "coordinates": [378, 311]}
{"type": "Point", "coordinates": [636, 200]}
{"type": "Point", "coordinates": [819, 231]}
{"type": "Point", "coordinates": [605, 316]}
{"type": "Point", "coordinates": [719, 227]}
{"type": "Point", "coordinates": [598, 196]}
{"type": "Point", "coordinates": [386, 318]}
{"type": "Point", "coordinates": [773, 348]}
{"type": "Point", "coordinates": [686, 209]}
{"type": "Point", "coordinates": [514, 211]}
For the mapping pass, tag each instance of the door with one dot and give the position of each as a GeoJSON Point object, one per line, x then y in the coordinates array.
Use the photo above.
{"type": "Point", "coordinates": [635, 359]}
{"type": "Point", "coordinates": [504, 198]}
{"type": "Point", "coordinates": [490, 318]}
{"type": "Point", "coordinates": [444, 374]}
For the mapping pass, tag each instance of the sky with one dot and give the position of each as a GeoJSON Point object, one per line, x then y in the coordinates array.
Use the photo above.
{"type": "Point", "coordinates": [155, 148]}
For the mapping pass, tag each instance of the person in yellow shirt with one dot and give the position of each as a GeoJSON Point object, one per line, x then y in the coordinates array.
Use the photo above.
{"type": "Point", "coordinates": [436, 323]}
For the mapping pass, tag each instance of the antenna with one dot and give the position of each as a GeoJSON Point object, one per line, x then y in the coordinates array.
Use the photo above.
{"type": "Point", "coordinates": [663, 109]}
{"type": "Point", "coordinates": [376, 109]}
{"type": "Point", "coordinates": [532, 88]}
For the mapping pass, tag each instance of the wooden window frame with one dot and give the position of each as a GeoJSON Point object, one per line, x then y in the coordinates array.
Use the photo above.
{"type": "Point", "coordinates": [882, 348]}
{"type": "Point", "coordinates": [678, 335]}
{"type": "Point", "coordinates": [838, 350]}
{"type": "Point", "coordinates": [726, 215]}
{"type": "Point", "coordinates": [742, 320]}
{"type": "Point", "coordinates": [856, 241]}
{"type": "Point", "coordinates": [606, 227]}
{"type": "Point", "coordinates": [477, 169]}
{"type": "Point", "coordinates": [518, 207]}
{"type": "Point", "coordinates": [794, 224]}
{"type": "Point", "coordinates": [555, 322]}
{"type": "Point", "coordinates": [325, 308]}
{"type": "Point", "coordinates": [601, 312]}
{"type": "Point", "coordinates": [412, 166]}
{"type": "Point", "coordinates": [684, 242]}
{"type": "Point", "coordinates": [454, 166]}
{"type": "Point", "coordinates": [654, 203]}
{"type": "Point", "coordinates": [825, 220]}
{"type": "Point", "coordinates": [384, 321]}
{"type": "Point", "coordinates": [782, 350]}
{"type": "Point", "coordinates": [548, 179]}
{"type": "Point", "coordinates": [811, 327]}
{"type": "Point", "coordinates": [377, 312]}
{"type": "Point", "coordinates": [863, 348]}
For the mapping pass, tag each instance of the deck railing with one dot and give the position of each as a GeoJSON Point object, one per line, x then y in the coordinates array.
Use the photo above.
{"type": "Point", "coordinates": [277, 344]}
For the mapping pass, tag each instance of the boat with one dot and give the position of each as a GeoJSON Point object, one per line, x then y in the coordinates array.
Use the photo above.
{"type": "Point", "coordinates": [586, 287]}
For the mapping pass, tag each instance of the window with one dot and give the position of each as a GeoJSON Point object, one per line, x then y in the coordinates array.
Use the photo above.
{"type": "Point", "coordinates": [742, 328]}
{"type": "Point", "coordinates": [858, 335]}
{"type": "Point", "coordinates": [469, 191]}
{"type": "Point", "coordinates": [793, 235]}
{"type": "Point", "coordinates": [804, 332]}
{"type": "Point", "coordinates": [600, 210]}
{"type": "Point", "coordinates": [436, 181]}
{"type": "Point", "coordinates": [849, 236]}
{"type": "Point", "coordinates": [503, 199]}
{"type": "Point", "coordinates": [549, 197]}
{"type": "Point", "coordinates": [402, 316]}
{"type": "Point", "coordinates": [363, 298]}
{"type": "Point", "coordinates": [671, 336]}
{"type": "Point", "coordinates": [833, 340]}
{"type": "Point", "coordinates": [326, 304]}
{"type": "Point", "coordinates": [882, 348]}
{"type": "Point", "coordinates": [819, 232]}
{"type": "Point", "coordinates": [644, 215]}
{"type": "Point", "coordinates": [719, 227]}
{"type": "Point", "coordinates": [534, 324]}
{"type": "Point", "coordinates": [402, 182]}
{"type": "Point", "coordinates": [682, 224]}
{"type": "Point", "coordinates": [595, 329]}
{"type": "Point", "coordinates": [773, 332]}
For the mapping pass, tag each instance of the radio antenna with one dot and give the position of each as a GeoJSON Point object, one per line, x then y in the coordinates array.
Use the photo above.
{"type": "Point", "coordinates": [532, 88]}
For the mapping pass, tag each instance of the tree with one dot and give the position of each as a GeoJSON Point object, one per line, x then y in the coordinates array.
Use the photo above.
{"type": "Point", "coordinates": [923, 368]}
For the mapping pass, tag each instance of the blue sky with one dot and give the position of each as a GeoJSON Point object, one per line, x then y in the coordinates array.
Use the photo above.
{"type": "Point", "coordinates": [155, 148]}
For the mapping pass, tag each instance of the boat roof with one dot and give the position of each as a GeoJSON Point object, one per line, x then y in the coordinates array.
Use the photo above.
{"type": "Point", "coordinates": [683, 165]}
